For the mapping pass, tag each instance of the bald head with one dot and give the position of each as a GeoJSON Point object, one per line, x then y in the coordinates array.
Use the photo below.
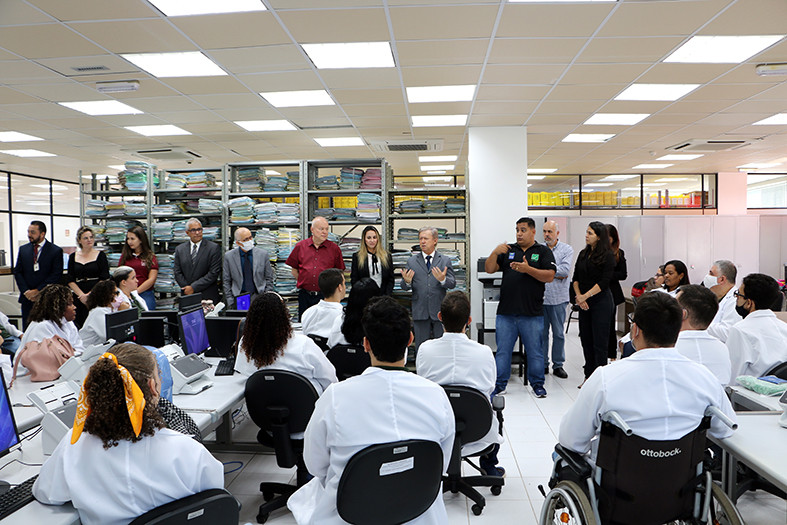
{"type": "Point", "coordinates": [320, 230]}
{"type": "Point", "coordinates": [241, 234]}
{"type": "Point", "coordinates": [551, 232]}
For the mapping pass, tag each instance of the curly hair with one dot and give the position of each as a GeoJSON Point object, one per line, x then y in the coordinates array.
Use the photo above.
{"type": "Point", "coordinates": [102, 294]}
{"type": "Point", "coordinates": [267, 329]}
{"type": "Point", "coordinates": [108, 419]}
{"type": "Point", "coordinates": [51, 304]}
{"type": "Point", "coordinates": [361, 293]}
{"type": "Point", "coordinates": [146, 254]}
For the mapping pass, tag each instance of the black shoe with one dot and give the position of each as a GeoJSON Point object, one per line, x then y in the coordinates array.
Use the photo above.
{"type": "Point", "coordinates": [546, 370]}
{"type": "Point", "coordinates": [559, 372]}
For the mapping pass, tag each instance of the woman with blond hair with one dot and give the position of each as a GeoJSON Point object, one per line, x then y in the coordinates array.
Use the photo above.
{"type": "Point", "coordinates": [372, 260]}
{"type": "Point", "coordinates": [86, 267]}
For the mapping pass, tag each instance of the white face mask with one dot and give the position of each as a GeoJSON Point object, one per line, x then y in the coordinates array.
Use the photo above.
{"type": "Point", "coordinates": [710, 280]}
{"type": "Point", "coordinates": [247, 245]}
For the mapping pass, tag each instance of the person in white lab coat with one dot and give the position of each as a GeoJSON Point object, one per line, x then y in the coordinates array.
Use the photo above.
{"type": "Point", "coordinates": [269, 343]}
{"type": "Point", "coordinates": [721, 281]}
{"type": "Point", "coordinates": [455, 359]}
{"type": "Point", "coordinates": [384, 404]}
{"type": "Point", "coordinates": [99, 304]}
{"type": "Point", "coordinates": [759, 341]}
{"type": "Point", "coordinates": [319, 319]}
{"type": "Point", "coordinates": [661, 394]}
{"type": "Point", "coordinates": [11, 335]}
{"type": "Point", "coordinates": [53, 314]}
{"type": "Point", "coordinates": [120, 462]}
{"type": "Point", "coordinates": [699, 308]}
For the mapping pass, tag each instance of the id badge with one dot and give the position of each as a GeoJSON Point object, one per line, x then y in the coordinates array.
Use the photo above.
{"type": "Point", "coordinates": [511, 256]}
{"type": "Point", "coordinates": [35, 267]}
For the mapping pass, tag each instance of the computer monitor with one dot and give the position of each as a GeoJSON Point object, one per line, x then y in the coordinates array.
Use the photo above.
{"type": "Point", "coordinates": [193, 333]}
{"type": "Point", "coordinates": [170, 324]}
{"type": "Point", "coordinates": [189, 302]}
{"type": "Point", "coordinates": [240, 314]}
{"type": "Point", "coordinates": [9, 434]}
{"type": "Point", "coordinates": [122, 326]}
{"type": "Point", "coordinates": [242, 302]}
{"type": "Point", "coordinates": [222, 332]}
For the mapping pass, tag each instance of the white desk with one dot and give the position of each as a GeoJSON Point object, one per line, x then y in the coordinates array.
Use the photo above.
{"type": "Point", "coordinates": [27, 416]}
{"type": "Point", "coordinates": [750, 400]}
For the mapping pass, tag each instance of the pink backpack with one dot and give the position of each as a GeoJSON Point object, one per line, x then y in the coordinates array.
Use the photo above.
{"type": "Point", "coordinates": [43, 358]}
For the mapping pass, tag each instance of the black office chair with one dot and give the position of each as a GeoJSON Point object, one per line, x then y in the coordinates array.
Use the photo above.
{"type": "Point", "coordinates": [209, 507]}
{"type": "Point", "coordinates": [280, 403]}
{"type": "Point", "coordinates": [474, 418]}
{"type": "Point", "coordinates": [574, 308]}
{"type": "Point", "coordinates": [390, 483]}
{"type": "Point", "coordinates": [321, 341]}
{"type": "Point", "coordinates": [348, 360]}
{"type": "Point", "coordinates": [779, 371]}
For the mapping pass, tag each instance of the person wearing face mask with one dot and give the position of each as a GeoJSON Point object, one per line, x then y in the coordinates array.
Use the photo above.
{"type": "Point", "coordinates": [721, 281]}
{"type": "Point", "coordinates": [759, 340]}
{"type": "Point", "coordinates": [53, 314]}
{"type": "Point", "coordinates": [247, 269]}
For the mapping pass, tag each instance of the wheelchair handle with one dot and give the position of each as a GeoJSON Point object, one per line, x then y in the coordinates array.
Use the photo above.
{"type": "Point", "coordinates": [713, 411]}
{"type": "Point", "coordinates": [614, 418]}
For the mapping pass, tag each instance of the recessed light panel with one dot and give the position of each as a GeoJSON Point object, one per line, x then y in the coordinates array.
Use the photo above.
{"type": "Point", "coordinates": [436, 172]}
{"type": "Point", "coordinates": [425, 121]}
{"type": "Point", "coordinates": [298, 99]}
{"type": "Point", "coordinates": [721, 49]}
{"type": "Point", "coordinates": [119, 167]}
{"type": "Point", "coordinates": [588, 137]}
{"type": "Point", "coordinates": [619, 177]}
{"type": "Point", "coordinates": [758, 165]}
{"type": "Point", "coordinates": [266, 125]}
{"type": "Point", "coordinates": [779, 119]}
{"type": "Point", "coordinates": [206, 7]}
{"type": "Point", "coordinates": [616, 119]}
{"type": "Point", "coordinates": [171, 65]}
{"type": "Point", "coordinates": [541, 170]}
{"type": "Point", "coordinates": [651, 166]}
{"type": "Point", "coordinates": [333, 142]}
{"type": "Point", "coordinates": [438, 158]}
{"type": "Point", "coordinates": [673, 179]}
{"type": "Point", "coordinates": [657, 92]}
{"type": "Point", "coordinates": [679, 157]}
{"type": "Point", "coordinates": [535, 177]}
{"type": "Point", "coordinates": [438, 167]}
{"type": "Point", "coordinates": [101, 107]}
{"type": "Point", "coordinates": [160, 130]}
{"type": "Point", "coordinates": [15, 136]}
{"type": "Point", "coordinates": [352, 55]}
{"type": "Point", "coordinates": [463, 93]}
{"type": "Point", "coordinates": [26, 153]}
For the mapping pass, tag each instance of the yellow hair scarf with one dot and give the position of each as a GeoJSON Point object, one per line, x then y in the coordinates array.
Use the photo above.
{"type": "Point", "coordinates": [135, 402]}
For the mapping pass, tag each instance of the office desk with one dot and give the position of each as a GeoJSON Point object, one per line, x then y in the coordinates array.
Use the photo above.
{"type": "Point", "coordinates": [750, 400]}
{"type": "Point", "coordinates": [26, 414]}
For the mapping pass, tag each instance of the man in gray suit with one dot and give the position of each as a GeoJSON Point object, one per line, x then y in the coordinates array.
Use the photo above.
{"type": "Point", "coordinates": [197, 264]}
{"type": "Point", "coordinates": [247, 269]}
{"type": "Point", "coordinates": [429, 274]}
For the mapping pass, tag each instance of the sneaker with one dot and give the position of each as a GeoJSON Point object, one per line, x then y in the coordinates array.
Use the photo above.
{"type": "Point", "coordinates": [499, 393]}
{"type": "Point", "coordinates": [499, 472]}
{"type": "Point", "coordinates": [539, 391]}
{"type": "Point", "coordinates": [546, 370]}
{"type": "Point", "coordinates": [559, 372]}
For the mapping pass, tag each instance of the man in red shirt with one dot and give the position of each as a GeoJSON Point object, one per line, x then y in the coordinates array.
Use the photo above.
{"type": "Point", "coordinates": [310, 257]}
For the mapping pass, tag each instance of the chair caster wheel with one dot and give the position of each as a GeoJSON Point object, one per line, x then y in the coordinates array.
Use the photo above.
{"type": "Point", "coordinates": [496, 490]}
{"type": "Point", "coordinates": [268, 495]}
{"type": "Point", "coordinates": [262, 518]}
{"type": "Point", "coordinates": [477, 509]}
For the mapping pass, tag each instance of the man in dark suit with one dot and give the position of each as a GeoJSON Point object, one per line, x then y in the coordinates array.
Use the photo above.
{"type": "Point", "coordinates": [38, 264]}
{"type": "Point", "coordinates": [247, 269]}
{"type": "Point", "coordinates": [198, 264]}
{"type": "Point", "coordinates": [429, 274]}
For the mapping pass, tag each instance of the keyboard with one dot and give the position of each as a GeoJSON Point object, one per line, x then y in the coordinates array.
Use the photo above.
{"type": "Point", "coordinates": [226, 367]}
{"type": "Point", "coordinates": [17, 497]}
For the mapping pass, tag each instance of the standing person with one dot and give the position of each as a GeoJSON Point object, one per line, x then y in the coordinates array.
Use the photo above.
{"type": "Point", "coordinates": [429, 274]}
{"type": "Point", "coordinates": [197, 264]}
{"type": "Point", "coordinates": [86, 267]}
{"type": "Point", "coordinates": [556, 301]}
{"type": "Point", "coordinates": [526, 266]}
{"type": "Point", "coordinates": [38, 264]}
{"type": "Point", "coordinates": [247, 269]}
{"type": "Point", "coordinates": [592, 273]}
{"type": "Point", "coordinates": [137, 254]}
{"type": "Point", "coordinates": [721, 281]}
{"type": "Point", "coordinates": [619, 273]}
{"type": "Point", "coordinates": [373, 260]}
{"type": "Point", "coordinates": [309, 258]}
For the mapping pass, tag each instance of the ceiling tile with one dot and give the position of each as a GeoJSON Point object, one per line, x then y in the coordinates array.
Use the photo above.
{"type": "Point", "coordinates": [312, 122]}
{"type": "Point", "coordinates": [611, 73]}
{"type": "Point", "coordinates": [441, 52]}
{"type": "Point", "coordinates": [361, 78]}
{"type": "Point", "coordinates": [551, 20]}
{"type": "Point", "coordinates": [15, 96]}
{"type": "Point", "coordinates": [658, 18]}
{"type": "Point", "coordinates": [205, 85]}
{"type": "Point", "coordinates": [629, 49]}
{"type": "Point", "coordinates": [16, 12]}
{"type": "Point", "coordinates": [522, 74]}
{"type": "Point", "coordinates": [440, 76]}
{"type": "Point", "coordinates": [248, 29]}
{"type": "Point", "coordinates": [585, 91]}
{"type": "Point", "coordinates": [336, 25]}
{"type": "Point", "coordinates": [503, 108]}
{"type": "Point", "coordinates": [281, 5]}
{"type": "Point", "coordinates": [189, 117]}
{"type": "Point", "coordinates": [208, 128]}
{"type": "Point", "coordinates": [496, 120]}
{"type": "Point", "coordinates": [374, 110]}
{"type": "Point", "coordinates": [727, 92]}
{"type": "Point", "coordinates": [260, 59]}
{"type": "Point", "coordinates": [66, 91]}
{"type": "Point", "coordinates": [494, 93]}
{"type": "Point", "coordinates": [289, 81]}
{"type": "Point", "coordinates": [413, 23]}
{"type": "Point", "coordinates": [683, 73]}
{"type": "Point", "coordinates": [229, 100]}
{"type": "Point", "coordinates": [535, 50]}
{"type": "Point", "coordinates": [738, 19]}
{"type": "Point", "coordinates": [46, 41]}
{"type": "Point", "coordinates": [67, 66]}
{"type": "Point", "coordinates": [133, 36]}
{"type": "Point", "coordinates": [440, 108]}
{"type": "Point", "coordinates": [366, 96]}
{"type": "Point", "coordinates": [44, 110]}
{"type": "Point", "coordinates": [587, 107]}
{"type": "Point", "coordinates": [312, 112]}
{"type": "Point", "coordinates": [260, 112]}
{"type": "Point", "coordinates": [95, 9]}
{"type": "Point", "coordinates": [164, 104]}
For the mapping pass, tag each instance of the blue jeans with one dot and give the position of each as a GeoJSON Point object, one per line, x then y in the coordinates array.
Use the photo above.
{"type": "Point", "coordinates": [527, 328]}
{"type": "Point", "coordinates": [150, 299]}
{"type": "Point", "coordinates": [555, 317]}
{"type": "Point", "coordinates": [11, 345]}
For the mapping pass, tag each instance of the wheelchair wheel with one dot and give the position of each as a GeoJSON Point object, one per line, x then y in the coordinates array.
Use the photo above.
{"type": "Point", "coordinates": [722, 511]}
{"type": "Point", "coordinates": [567, 504]}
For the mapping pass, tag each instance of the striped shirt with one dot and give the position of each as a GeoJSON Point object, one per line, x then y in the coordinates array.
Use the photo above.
{"type": "Point", "coordinates": [556, 292]}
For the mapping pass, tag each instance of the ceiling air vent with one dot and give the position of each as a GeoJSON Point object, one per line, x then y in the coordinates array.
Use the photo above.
{"type": "Point", "coordinates": [90, 69]}
{"type": "Point", "coordinates": [407, 145]}
{"type": "Point", "coordinates": [708, 146]}
{"type": "Point", "coordinates": [166, 153]}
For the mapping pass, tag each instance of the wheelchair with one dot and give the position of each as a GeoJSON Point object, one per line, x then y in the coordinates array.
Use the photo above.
{"type": "Point", "coordinates": [636, 481]}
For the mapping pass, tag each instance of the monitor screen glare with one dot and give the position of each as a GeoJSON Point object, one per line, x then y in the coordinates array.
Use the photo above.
{"type": "Point", "coordinates": [195, 334]}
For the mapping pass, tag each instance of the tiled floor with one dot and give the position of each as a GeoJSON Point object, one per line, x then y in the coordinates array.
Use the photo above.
{"type": "Point", "coordinates": [531, 428]}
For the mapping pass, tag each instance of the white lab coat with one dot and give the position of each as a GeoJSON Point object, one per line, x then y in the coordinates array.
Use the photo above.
{"type": "Point", "coordinates": [703, 348]}
{"type": "Point", "coordinates": [725, 317]}
{"type": "Point", "coordinates": [38, 331]}
{"type": "Point", "coordinates": [13, 330]}
{"type": "Point", "coordinates": [336, 336]}
{"type": "Point", "coordinates": [756, 344]}
{"type": "Point", "coordinates": [661, 394]}
{"type": "Point", "coordinates": [94, 331]}
{"type": "Point", "coordinates": [319, 319]}
{"type": "Point", "coordinates": [379, 406]}
{"type": "Point", "coordinates": [455, 359]}
{"type": "Point", "coordinates": [113, 486]}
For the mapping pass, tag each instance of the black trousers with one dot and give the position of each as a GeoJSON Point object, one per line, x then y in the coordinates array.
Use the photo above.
{"type": "Point", "coordinates": [306, 300]}
{"type": "Point", "coordinates": [594, 324]}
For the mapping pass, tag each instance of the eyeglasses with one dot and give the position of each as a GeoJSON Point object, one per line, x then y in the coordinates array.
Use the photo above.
{"type": "Point", "coordinates": [194, 230]}
{"type": "Point", "coordinates": [738, 294]}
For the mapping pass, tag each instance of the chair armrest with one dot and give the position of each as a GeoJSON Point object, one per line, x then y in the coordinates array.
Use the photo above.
{"type": "Point", "coordinates": [574, 460]}
{"type": "Point", "coordinates": [498, 403]}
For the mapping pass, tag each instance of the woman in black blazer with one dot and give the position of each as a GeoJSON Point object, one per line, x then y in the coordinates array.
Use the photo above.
{"type": "Point", "coordinates": [620, 273]}
{"type": "Point", "coordinates": [373, 260]}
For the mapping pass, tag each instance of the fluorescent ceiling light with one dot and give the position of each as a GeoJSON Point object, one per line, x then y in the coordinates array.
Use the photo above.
{"type": "Point", "coordinates": [766, 70]}
{"type": "Point", "coordinates": [651, 166]}
{"type": "Point", "coordinates": [350, 55]}
{"type": "Point", "coordinates": [435, 179]}
{"type": "Point", "coordinates": [658, 92]}
{"type": "Point", "coordinates": [438, 158]}
{"type": "Point", "coordinates": [15, 136]}
{"type": "Point", "coordinates": [616, 119]}
{"type": "Point", "coordinates": [779, 119]}
{"type": "Point", "coordinates": [297, 99]}
{"type": "Point", "coordinates": [159, 130]}
{"type": "Point", "coordinates": [119, 167]}
{"type": "Point", "coordinates": [619, 177]}
{"type": "Point", "coordinates": [26, 153]}
{"type": "Point", "coordinates": [101, 107]}
{"type": "Point", "coordinates": [536, 177]}
{"type": "Point", "coordinates": [333, 142]}
{"type": "Point", "coordinates": [170, 65]}
{"type": "Point", "coordinates": [206, 7]}
{"type": "Point", "coordinates": [758, 165]}
{"type": "Point", "coordinates": [598, 184]}
{"type": "Point", "coordinates": [673, 179]}
{"type": "Point", "coordinates": [266, 125]}
{"type": "Point", "coordinates": [426, 121]}
{"type": "Point", "coordinates": [438, 167]}
{"type": "Point", "coordinates": [463, 93]}
{"type": "Point", "coordinates": [541, 170]}
{"type": "Point", "coordinates": [680, 157]}
{"type": "Point", "coordinates": [588, 137]}
{"type": "Point", "coordinates": [556, 1]}
{"type": "Point", "coordinates": [721, 49]}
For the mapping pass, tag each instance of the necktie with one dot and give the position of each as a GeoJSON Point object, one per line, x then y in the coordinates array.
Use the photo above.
{"type": "Point", "coordinates": [248, 272]}
{"type": "Point", "coordinates": [428, 263]}
{"type": "Point", "coordinates": [35, 253]}
{"type": "Point", "coordinates": [193, 252]}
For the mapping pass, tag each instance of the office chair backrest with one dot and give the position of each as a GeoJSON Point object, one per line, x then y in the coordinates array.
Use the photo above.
{"type": "Point", "coordinates": [648, 482]}
{"type": "Point", "coordinates": [779, 371]}
{"type": "Point", "coordinates": [472, 413]}
{"type": "Point", "coordinates": [321, 341]}
{"type": "Point", "coordinates": [209, 507]}
{"type": "Point", "coordinates": [390, 483]}
{"type": "Point", "coordinates": [348, 360]}
{"type": "Point", "coordinates": [236, 349]}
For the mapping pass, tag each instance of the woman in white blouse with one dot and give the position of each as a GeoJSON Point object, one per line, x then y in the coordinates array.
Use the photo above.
{"type": "Point", "coordinates": [99, 302]}
{"type": "Point", "coordinates": [53, 314]}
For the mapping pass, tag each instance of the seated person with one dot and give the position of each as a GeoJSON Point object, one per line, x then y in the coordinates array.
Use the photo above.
{"type": "Point", "coordinates": [694, 341]}
{"type": "Point", "coordinates": [99, 304]}
{"type": "Point", "coordinates": [759, 341]}
{"type": "Point", "coordinates": [268, 342]}
{"type": "Point", "coordinates": [661, 394]}
{"type": "Point", "coordinates": [119, 461]}
{"type": "Point", "coordinates": [454, 359]}
{"type": "Point", "coordinates": [10, 335]}
{"type": "Point", "coordinates": [675, 275]}
{"type": "Point", "coordinates": [126, 281]}
{"type": "Point", "coordinates": [53, 314]}
{"type": "Point", "coordinates": [347, 329]}
{"type": "Point", "coordinates": [721, 281]}
{"type": "Point", "coordinates": [386, 403]}
{"type": "Point", "coordinates": [319, 319]}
